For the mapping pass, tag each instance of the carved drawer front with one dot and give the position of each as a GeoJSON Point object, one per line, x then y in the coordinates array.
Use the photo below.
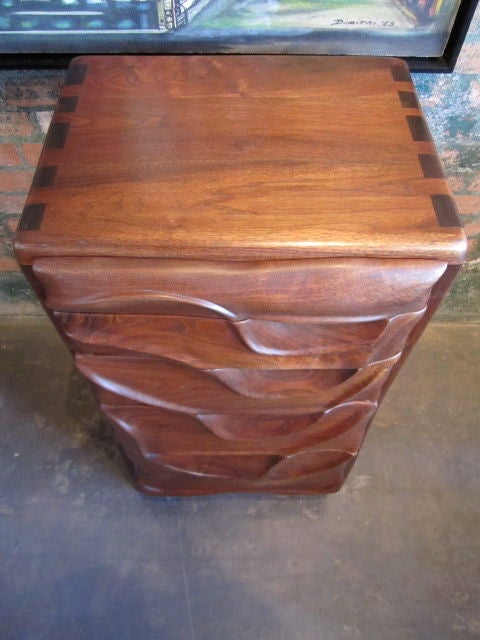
{"type": "Point", "coordinates": [304, 430]}
{"type": "Point", "coordinates": [256, 467]}
{"type": "Point", "coordinates": [273, 392]}
{"type": "Point", "coordinates": [157, 432]}
{"type": "Point", "coordinates": [161, 442]}
{"type": "Point", "coordinates": [173, 386]}
{"type": "Point", "coordinates": [213, 343]}
{"type": "Point", "coordinates": [272, 290]}
{"type": "Point", "coordinates": [305, 473]}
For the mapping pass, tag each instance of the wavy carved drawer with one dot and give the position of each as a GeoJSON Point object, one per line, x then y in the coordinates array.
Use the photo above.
{"type": "Point", "coordinates": [280, 290]}
{"type": "Point", "coordinates": [305, 473]}
{"type": "Point", "coordinates": [240, 251]}
{"type": "Point", "coordinates": [189, 390]}
{"type": "Point", "coordinates": [181, 447]}
{"type": "Point", "coordinates": [159, 431]}
{"type": "Point", "coordinates": [211, 343]}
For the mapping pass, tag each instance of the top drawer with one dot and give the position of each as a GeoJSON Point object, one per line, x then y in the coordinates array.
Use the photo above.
{"type": "Point", "coordinates": [283, 289]}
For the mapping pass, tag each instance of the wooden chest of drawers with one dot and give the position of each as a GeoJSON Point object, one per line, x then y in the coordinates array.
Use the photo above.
{"type": "Point", "coordinates": [240, 251]}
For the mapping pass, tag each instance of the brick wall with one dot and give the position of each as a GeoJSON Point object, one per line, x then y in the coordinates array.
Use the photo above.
{"type": "Point", "coordinates": [27, 99]}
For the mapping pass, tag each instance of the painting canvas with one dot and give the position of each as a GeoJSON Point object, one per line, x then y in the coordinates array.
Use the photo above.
{"type": "Point", "coordinates": [358, 27]}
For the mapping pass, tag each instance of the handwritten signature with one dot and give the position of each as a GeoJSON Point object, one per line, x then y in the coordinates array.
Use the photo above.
{"type": "Point", "coordinates": [362, 23]}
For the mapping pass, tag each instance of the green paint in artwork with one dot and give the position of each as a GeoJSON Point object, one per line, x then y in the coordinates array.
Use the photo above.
{"type": "Point", "coordinates": [272, 14]}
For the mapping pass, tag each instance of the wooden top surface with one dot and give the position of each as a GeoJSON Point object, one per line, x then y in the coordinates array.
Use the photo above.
{"type": "Point", "coordinates": [240, 157]}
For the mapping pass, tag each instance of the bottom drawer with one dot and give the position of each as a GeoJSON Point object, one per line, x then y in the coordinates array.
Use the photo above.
{"type": "Point", "coordinates": [255, 467]}
{"type": "Point", "coordinates": [324, 474]}
{"type": "Point", "coordinates": [177, 447]}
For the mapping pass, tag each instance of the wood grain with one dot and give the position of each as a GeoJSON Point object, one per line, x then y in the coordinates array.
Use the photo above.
{"type": "Point", "coordinates": [160, 432]}
{"type": "Point", "coordinates": [156, 479]}
{"type": "Point", "coordinates": [183, 388]}
{"type": "Point", "coordinates": [173, 445]}
{"type": "Point", "coordinates": [234, 157]}
{"type": "Point", "coordinates": [277, 290]}
{"type": "Point", "coordinates": [210, 343]}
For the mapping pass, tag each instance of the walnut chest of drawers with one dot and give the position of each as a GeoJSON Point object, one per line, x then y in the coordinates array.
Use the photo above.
{"type": "Point", "coordinates": [239, 251]}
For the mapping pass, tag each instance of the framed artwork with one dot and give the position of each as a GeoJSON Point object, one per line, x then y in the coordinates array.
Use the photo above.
{"type": "Point", "coordinates": [428, 33]}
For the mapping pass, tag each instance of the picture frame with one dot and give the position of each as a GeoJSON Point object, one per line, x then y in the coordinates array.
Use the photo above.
{"type": "Point", "coordinates": [428, 34]}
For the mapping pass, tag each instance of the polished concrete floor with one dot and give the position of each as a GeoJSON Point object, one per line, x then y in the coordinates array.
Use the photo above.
{"type": "Point", "coordinates": [393, 556]}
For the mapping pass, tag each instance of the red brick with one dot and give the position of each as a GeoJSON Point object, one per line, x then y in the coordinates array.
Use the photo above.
{"type": "Point", "coordinates": [9, 155]}
{"type": "Point", "coordinates": [33, 93]}
{"type": "Point", "coordinates": [457, 183]}
{"type": "Point", "coordinates": [472, 229]}
{"type": "Point", "coordinates": [18, 180]}
{"type": "Point", "coordinates": [468, 205]}
{"type": "Point", "coordinates": [11, 204]}
{"type": "Point", "coordinates": [15, 124]}
{"type": "Point", "coordinates": [11, 225]}
{"type": "Point", "coordinates": [472, 244]}
{"type": "Point", "coordinates": [8, 263]}
{"type": "Point", "coordinates": [31, 152]}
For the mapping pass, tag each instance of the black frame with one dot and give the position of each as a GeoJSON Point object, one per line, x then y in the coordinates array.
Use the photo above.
{"type": "Point", "coordinates": [442, 64]}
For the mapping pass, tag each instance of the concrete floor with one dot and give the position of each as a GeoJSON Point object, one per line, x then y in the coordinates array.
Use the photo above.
{"type": "Point", "coordinates": [393, 556]}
